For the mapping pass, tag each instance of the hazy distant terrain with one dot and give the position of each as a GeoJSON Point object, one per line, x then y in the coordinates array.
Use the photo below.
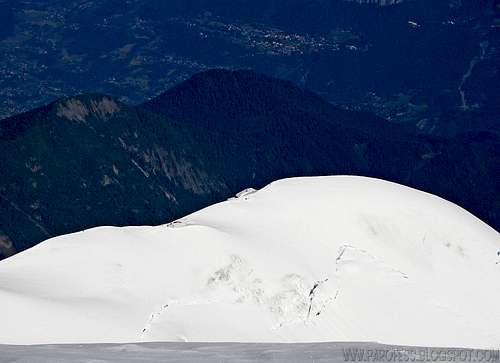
{"type": "Point", "coordinates": [431, 63]}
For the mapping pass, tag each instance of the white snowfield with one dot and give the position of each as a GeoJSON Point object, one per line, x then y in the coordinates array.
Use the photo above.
{"type": "Point", "coordinates": [302, 260]}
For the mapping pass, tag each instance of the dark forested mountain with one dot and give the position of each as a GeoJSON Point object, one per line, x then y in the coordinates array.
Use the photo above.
{"type": "Point", "coordinates": [434, 64]}
{"type": "Point", "coordinates": [91, 160]}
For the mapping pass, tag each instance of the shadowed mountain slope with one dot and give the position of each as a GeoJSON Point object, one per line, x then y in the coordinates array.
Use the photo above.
{"type": "Point", "coordinates": [91, 160]}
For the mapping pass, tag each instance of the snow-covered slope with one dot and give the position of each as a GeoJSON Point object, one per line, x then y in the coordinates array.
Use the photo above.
{"type": "Point", "coordinates": [306, 259]}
